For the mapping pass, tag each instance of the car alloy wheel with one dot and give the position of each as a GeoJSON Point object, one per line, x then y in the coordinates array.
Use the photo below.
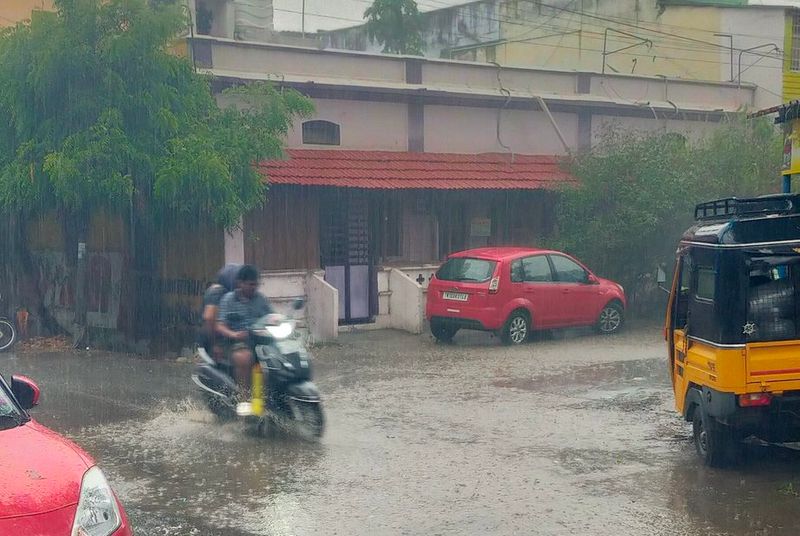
{"type": "Point", "coordinates": [610, 319]}
{"type": "Point", "coordinates": [517, 329]}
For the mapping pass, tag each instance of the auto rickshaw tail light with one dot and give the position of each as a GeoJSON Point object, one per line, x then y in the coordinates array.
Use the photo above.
{"type": "Point", "coordinates": [751, 400]}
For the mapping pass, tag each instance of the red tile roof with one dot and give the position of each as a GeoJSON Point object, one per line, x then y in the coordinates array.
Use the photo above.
{"type": "Point", "coordinates": [403, 170]}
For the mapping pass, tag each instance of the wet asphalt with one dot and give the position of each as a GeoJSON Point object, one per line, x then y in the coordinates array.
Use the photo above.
{"type": "Point", "coordinates": [573, 433]}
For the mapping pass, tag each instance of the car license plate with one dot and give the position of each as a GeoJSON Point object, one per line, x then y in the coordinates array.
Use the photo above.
{"type": "Point", "coordinates": [456, 296]}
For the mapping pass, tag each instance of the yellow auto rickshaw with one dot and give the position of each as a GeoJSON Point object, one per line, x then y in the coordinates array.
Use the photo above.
{"type": "Point", "coordinates": [733, 324]}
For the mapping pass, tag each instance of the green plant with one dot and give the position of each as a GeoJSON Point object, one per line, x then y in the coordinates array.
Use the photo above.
{"type": "Point", "coordinates": [397, 25]}
{"type": "Point", "coordinates": [636, 193]}
{"type": "Point", "coordinates": [98, 114]}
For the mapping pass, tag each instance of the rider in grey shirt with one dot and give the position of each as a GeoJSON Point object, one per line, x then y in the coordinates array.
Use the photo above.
{"type": "Point", "coordinates": [238, 310]}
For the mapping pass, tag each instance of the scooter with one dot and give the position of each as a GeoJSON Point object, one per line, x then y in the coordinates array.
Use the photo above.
{"type": "Point", "coordinates": [290, 401]}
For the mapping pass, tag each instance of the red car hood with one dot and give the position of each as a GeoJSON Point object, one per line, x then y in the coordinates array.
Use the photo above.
{"type": "Point", "coordinates": [40, 471]}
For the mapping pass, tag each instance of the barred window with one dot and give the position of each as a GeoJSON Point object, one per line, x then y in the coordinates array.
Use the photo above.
{"type": "Point", "coordinates": [321, 133]}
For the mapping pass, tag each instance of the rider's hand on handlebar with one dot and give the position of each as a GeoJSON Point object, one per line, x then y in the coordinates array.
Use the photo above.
{"type": "Point", "coordinates": [241, 335]}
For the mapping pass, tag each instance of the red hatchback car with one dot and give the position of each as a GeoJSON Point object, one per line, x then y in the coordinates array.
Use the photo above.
{"type": "Point", "coordinates": [513, 291]}
{"type": "Point", "coordinates": [50, 487]}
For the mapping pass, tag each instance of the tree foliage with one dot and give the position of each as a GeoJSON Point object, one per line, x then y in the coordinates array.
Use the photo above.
{"type": "Point", "coordinates": [397, 25]}
{"type": "Point", "coordinates": [636, 193]}
{"type": "Point", "coordinates": [98, 112]}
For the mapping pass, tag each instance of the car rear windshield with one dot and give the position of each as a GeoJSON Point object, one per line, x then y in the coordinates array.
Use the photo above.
{"type": "Point", "coordinates": [467, 270]}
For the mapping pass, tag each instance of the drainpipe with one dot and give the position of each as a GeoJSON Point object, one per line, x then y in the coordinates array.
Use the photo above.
{"type": "Point", "coordinates": [546, 109]}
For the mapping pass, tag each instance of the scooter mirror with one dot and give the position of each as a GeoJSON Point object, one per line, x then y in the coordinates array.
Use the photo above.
{"type": "Point", "coordinates": [661, 277]}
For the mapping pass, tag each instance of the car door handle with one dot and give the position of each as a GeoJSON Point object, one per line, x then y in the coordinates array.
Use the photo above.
{"type": "Point", "coordinates": [565, 291]}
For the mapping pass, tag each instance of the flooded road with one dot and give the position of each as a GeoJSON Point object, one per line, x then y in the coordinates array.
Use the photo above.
{"type": "Point", "coordinates": [566, 435]}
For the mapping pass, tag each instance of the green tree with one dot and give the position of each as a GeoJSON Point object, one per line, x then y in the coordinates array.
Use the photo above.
{"type": "Point", "coordinates": [397, 25]}
{"type": "Point", "coordinates": [98, 114]}
{"type": "Point", "coordinates": [636, 193]}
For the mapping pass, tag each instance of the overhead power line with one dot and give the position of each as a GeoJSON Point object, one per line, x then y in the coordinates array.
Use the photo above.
{"type": "Point", "coordinates": [558, 10]}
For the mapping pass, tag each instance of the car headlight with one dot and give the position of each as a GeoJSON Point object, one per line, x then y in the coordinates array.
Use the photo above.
{"type": "Point", "coordinates": [98, 513]}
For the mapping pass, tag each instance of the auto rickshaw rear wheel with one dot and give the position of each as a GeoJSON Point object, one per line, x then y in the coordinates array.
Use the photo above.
{"type": "Point", "coordinates": [716, 444]}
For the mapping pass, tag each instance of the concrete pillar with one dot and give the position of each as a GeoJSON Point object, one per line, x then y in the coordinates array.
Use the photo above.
{"type": "Point", "coordinates": [234, 246]}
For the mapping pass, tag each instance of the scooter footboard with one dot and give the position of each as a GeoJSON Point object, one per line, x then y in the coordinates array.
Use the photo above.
{"type": "Point", "coordinates": [304, 392]}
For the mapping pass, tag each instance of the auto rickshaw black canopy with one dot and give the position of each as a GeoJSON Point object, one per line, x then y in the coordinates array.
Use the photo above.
{"type": "Point", "coordinates": [731, 239]}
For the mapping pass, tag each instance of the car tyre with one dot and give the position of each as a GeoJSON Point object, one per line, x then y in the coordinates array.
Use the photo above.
{"type": "Point", "coordinates": [611, 319]}
{"type": "Point", "coordinates": [517, 329]}
{"type": "Point", "coordinates": [442, 332]}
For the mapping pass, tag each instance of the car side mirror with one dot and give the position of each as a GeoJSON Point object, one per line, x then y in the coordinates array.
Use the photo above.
{"type": "Point", "coordinates": [591, 279]}
{"type": "Point", "coordinates": [25, 391]}
{"type": "Point", "coordinates": [298, 304]}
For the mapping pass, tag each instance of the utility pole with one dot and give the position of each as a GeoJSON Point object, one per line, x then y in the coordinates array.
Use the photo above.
{"type": "Point", "coordinates": [303, 19]}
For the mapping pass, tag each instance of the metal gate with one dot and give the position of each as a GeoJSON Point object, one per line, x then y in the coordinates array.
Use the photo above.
{"type": "Point", "coordinates": [347, 255]}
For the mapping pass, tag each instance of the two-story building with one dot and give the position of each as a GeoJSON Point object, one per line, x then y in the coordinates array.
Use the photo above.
{"type": "Point", "coordinates": [407, 159]}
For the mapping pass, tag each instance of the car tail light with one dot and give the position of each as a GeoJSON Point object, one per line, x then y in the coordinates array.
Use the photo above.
{"type": "Point", "coordinates": [755, 399]}
{"type": "Point", "coordinates": [494, 285]}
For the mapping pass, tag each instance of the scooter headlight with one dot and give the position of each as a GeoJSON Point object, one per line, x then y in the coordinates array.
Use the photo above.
{"type": "Point", "coordinates": [279, 332]}
{"type": "Point", "coordinates": [98, 513]}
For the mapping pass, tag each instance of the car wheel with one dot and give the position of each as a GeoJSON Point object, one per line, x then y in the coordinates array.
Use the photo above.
{"type": "Point", "coordinates": [442, 332]}
{"type": "Point", "coordinates": [611, 319]}
{"type": "Point", "coordinates": [517, 328]}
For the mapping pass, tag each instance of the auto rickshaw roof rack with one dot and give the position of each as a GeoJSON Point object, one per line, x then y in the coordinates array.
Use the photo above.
{"type": "Point", "coordinates": [755, 206]}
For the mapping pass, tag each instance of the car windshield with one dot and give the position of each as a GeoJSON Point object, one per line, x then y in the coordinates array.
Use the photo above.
{"type": "Point", "coordinates": [466, 269]}
{"type": "Point", "coordinates": [10, 415]}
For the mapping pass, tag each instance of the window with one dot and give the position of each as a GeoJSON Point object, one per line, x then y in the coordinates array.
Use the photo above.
{"type": "Point", "coordinates": [533, 270]}
{"type": "Point", "coordinates": [796, 42]}
{"type": "Point", "coordinates": [682, 299]}
{"type": "Point", "coordinates": [321, 133]}
{"type": "Point", "coordinates": [568, 271]}
{"type": "Point", "coordinates": [706, 283]}
{"type": "Point", "coordinates": [205, 19]}
{"type": "Point", "coordinates": [517, 272]}
{"type": "Point", "coordinates": [772, 299]}
{"type": "Point", "coordinates": [393, 214]}
{"type": "Point", "coordinates": [467, 270]}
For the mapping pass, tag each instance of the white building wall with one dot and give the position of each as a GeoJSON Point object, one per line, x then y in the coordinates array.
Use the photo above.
{"type": "Point", "coordinates": [753, 28]}
{"type": "Point", "coordinates": [370, 126]}
{"type": "Point", "coordinates": [456, 129]}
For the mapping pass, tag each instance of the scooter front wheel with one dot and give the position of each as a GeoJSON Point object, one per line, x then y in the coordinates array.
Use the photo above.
{"type": "Point", "coordinates": [221, 411]}
{"type": "Point", "coordinates": [309, 419]}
